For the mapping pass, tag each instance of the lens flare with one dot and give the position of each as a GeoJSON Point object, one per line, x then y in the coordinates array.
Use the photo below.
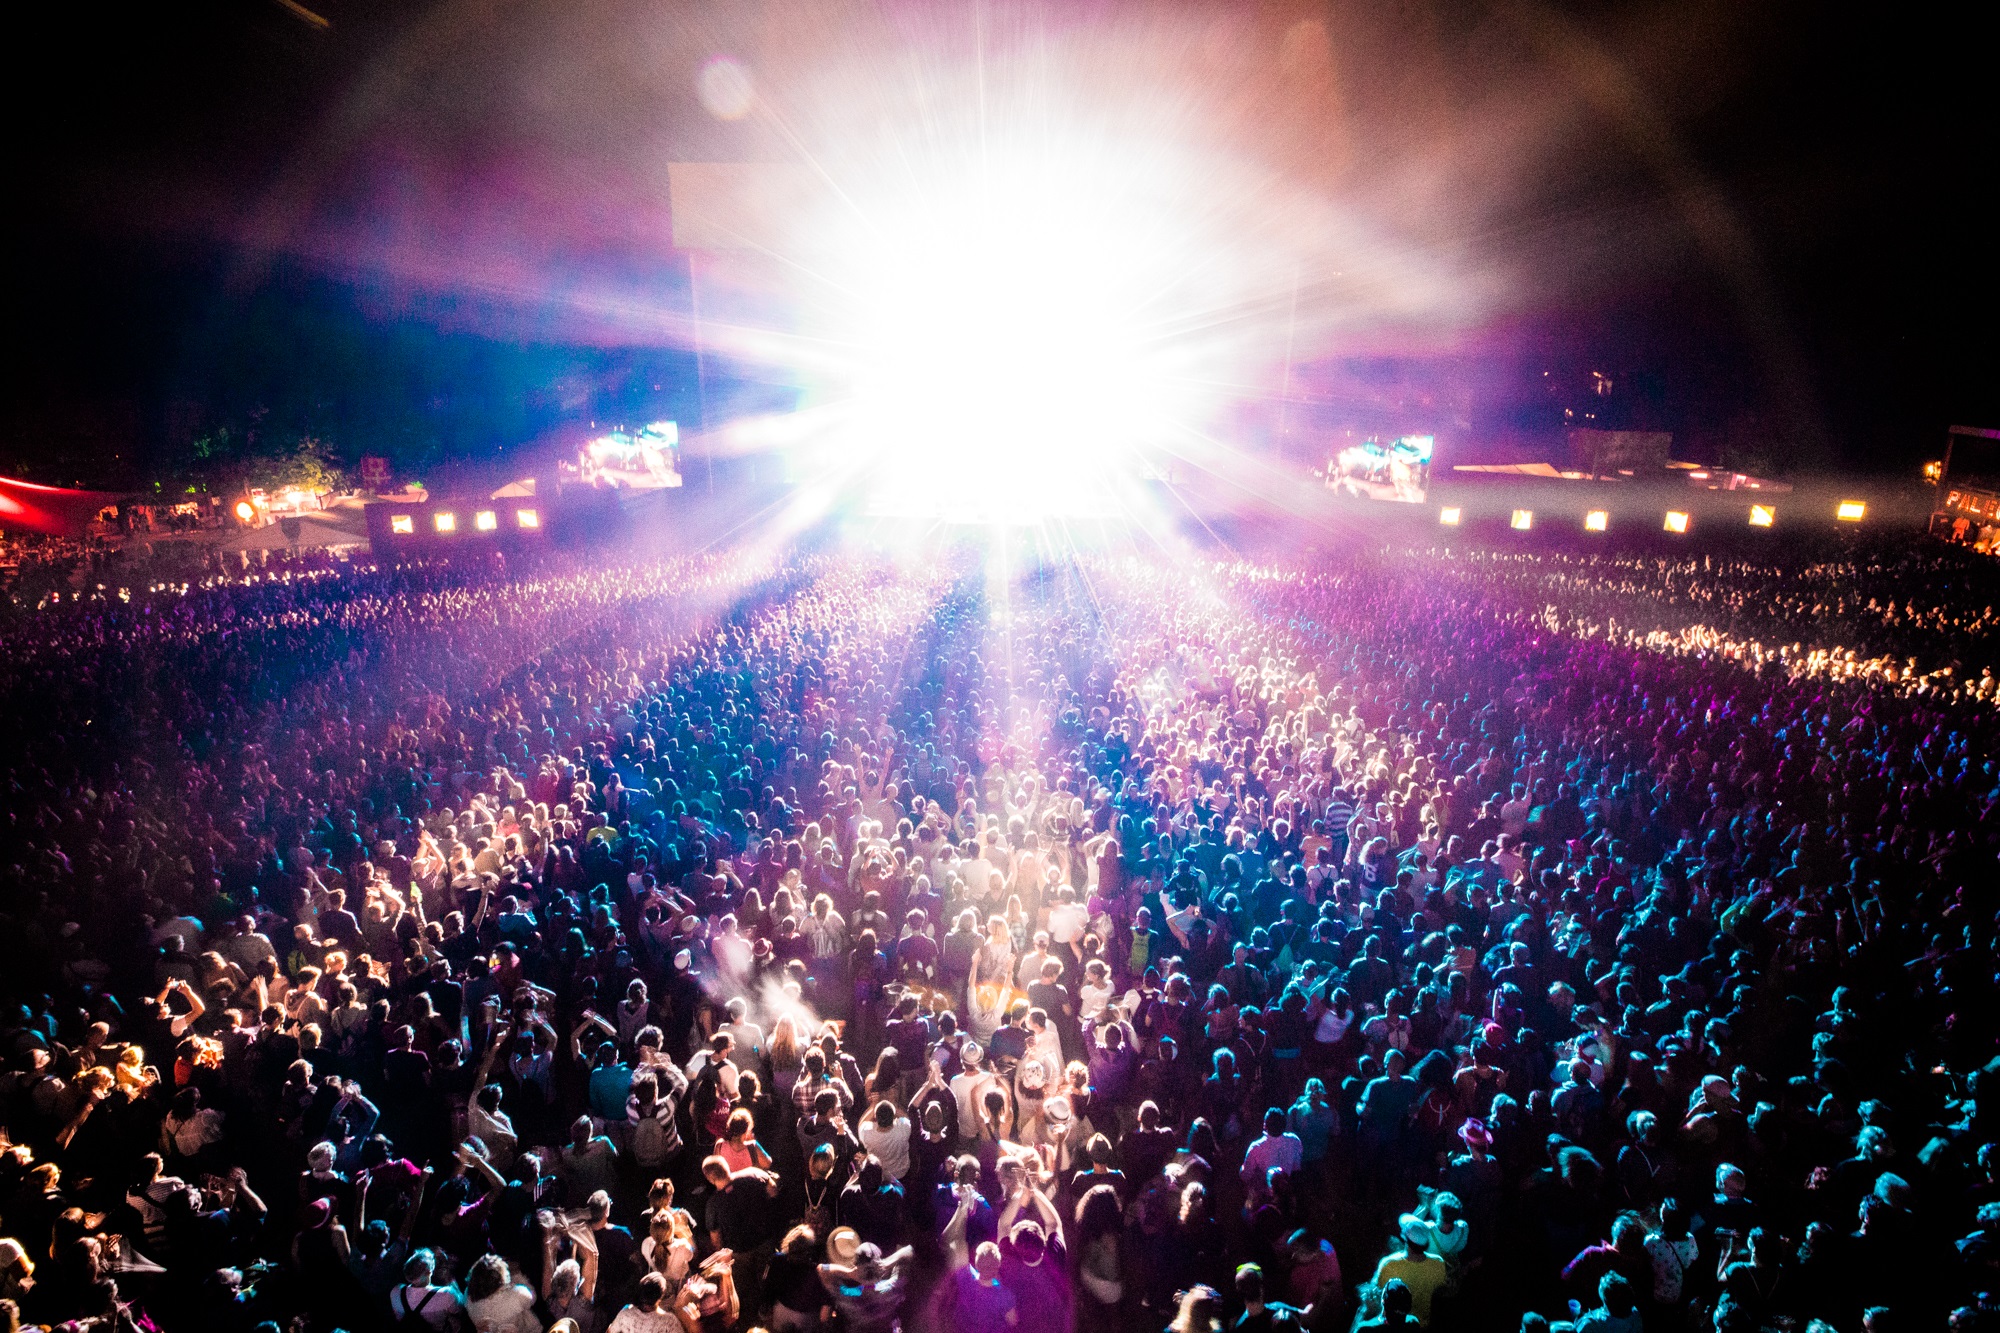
{"type": "Point", "coordinates": [1007, 340]}
{"type": "Point", "coordinates": [724, 89]}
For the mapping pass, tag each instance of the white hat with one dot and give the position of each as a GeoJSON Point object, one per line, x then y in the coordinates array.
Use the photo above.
{"type": "Point", "coordinates": [842, 1245]}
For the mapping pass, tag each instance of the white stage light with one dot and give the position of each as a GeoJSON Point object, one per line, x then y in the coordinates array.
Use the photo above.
{"type": "Point", "coordinates": [1012, 349]}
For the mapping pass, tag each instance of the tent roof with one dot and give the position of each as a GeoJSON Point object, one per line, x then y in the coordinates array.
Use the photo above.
{"type": "Point", "coordinates": [56, 510]}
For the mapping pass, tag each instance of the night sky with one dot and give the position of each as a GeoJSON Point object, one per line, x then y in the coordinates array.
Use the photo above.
{"type": "Point", "coordinates": [439, 230]}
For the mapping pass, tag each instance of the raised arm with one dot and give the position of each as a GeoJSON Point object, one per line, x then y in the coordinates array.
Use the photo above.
{"type": "Point", "coordinates": [245, 1194]}
{"type": "Point", "coordinates": [954, 1232]}
{"type": "Point", "coordinates": [416, 1206]}
{"type": "Point", "coordinates": [484, 1074]}
{"type": "Point", "coordinates": [477, 1162]}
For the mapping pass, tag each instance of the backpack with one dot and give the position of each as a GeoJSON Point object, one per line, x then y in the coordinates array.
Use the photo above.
{"type": "Point", "coordinates": [655, 1139]}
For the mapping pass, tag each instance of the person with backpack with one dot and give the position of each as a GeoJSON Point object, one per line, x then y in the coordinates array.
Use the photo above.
{"type": "Point", "coordinates": [417, 1306]}
{"type": "Point", "coordinates": [653, 1128]}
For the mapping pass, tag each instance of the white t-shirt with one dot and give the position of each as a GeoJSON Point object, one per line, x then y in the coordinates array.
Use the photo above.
{"type": "Point", "coordinates": [508, 1310]}
{"type": "Point", "coordinates": [1332, 1026]}
{"type": "Point", "coordinates": [674, 1264]}
{"type": "Point", "coordinates": [891, 1146]}
{"type": "Point", "coordinates": [1067, 922]}
{"type": "Point", "coordinates": [1029, 969]}
{"type": "Point", "coordinates": [966, 1090]}
{"type": "Point", "coordinates": [433, 1305]}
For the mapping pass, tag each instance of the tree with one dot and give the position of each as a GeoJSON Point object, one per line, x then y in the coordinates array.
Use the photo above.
{"type": "Point", "coordinates": [228, 461]}
{"type": "Point", "coordinates": [309, 464]}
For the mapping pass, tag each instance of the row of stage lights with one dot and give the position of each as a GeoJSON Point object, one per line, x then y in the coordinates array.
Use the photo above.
{"type": "Point", "coordinates": [446, 522]}
{"type": "Point", "coordinates": [1677, 520]}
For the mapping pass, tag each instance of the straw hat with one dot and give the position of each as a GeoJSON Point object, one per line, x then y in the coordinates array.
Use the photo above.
{"type": "Point", "coordinates": [842, 1245]}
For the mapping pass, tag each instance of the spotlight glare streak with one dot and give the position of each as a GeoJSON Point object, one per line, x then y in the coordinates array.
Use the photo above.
{"type": "Point", "coordinates": [1018, 321]}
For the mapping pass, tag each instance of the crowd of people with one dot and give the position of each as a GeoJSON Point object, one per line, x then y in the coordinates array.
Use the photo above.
{"type": "Point", "coordinates": [1913, 616]}
{"type": "Point", "coordinates": [814, 941]}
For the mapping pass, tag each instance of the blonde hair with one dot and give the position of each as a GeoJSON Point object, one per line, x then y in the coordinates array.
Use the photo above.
{"type": "Point", "coordinates": [786, 1043]}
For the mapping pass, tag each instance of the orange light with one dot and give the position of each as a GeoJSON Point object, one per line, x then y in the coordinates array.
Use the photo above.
{"type": "Point", "coordinates": [402, 523]}
{"type": "Point", "coordinates": [527, 518]}
{"type": "Point", "coordinates": [1597, 520]}
{"type": "Point", "coordinates": [486, 520]}
{"type": "Point", "coordinates": [446, 522]}
{"type": "Point", "coordinates": [1523, 520]}
{"type": "Point", "coordinates": [245, 510]}
{"type": "Point", "coordinates": [1851, 511]}
{"type": "Point", "coordinates": [1762, 516]}
{"type": "Point", "coordinates": [1676, 521]}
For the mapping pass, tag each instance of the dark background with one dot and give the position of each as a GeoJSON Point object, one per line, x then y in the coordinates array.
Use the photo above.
{"type": "Point", "coordinates": [168, 160]}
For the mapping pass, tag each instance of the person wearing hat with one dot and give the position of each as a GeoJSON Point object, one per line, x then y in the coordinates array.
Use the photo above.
{"type": "Point", "coordinates": [967, 1086]}
{"type": "Point", "coordinates": [1415, 1267]}
{"type": "Point", "coordinates": [867, 1286]}
{"type": "Point", "coordinates": [1475, 1177]}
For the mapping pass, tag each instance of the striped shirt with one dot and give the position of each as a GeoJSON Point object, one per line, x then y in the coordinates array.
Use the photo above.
{"type": "Point", "coordinates": [1339, 814]}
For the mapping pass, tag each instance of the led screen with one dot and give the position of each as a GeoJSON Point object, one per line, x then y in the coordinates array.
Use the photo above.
{"type": "Point", "coordinates": [642, 460]}
{"type": "Point", "coordinates": [1398, 469]}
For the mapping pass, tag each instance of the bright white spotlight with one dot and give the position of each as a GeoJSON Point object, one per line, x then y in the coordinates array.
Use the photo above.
{"type": "Point", "coordinates": [1012, 353]}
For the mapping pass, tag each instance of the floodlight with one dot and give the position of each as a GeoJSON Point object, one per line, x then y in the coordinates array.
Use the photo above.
{"type": "Point", "coordinates": [1597, 520]}
{"type": "Point", "coordinates": [527, 518]}
{"type": "Point", "coordinates": [1523, 520]}
{"type": "Point", "coordinates": [402, 523]}
{"type": "Point", "coordinates": [1851, 511]}
{"type": "Point", "coordinates": [1762, 516]}
{"type": "Point", "coordinates": [446, 522]}
{"type": "Point", "coordinates": [1449, 516]}
{"type": "Point", "coordinates": [1677, 521]}
{"type": "Point", "coordinates": [486, 520]}
{"type": "Point", "coordinates": [1032, 315]}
